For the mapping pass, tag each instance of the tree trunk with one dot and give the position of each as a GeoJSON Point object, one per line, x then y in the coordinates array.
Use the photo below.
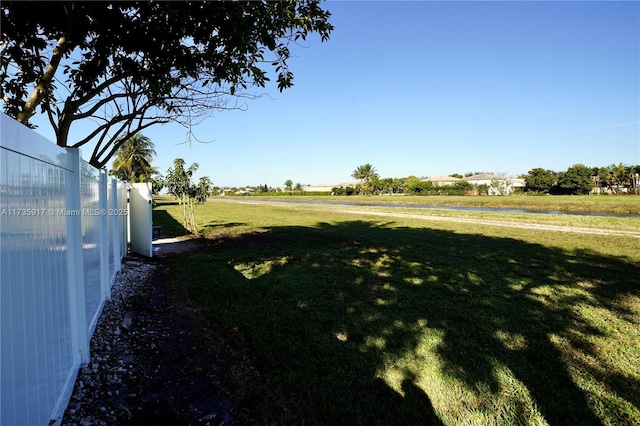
{"type": "Point", "coordinates": [194, 226]}
{"type": "Point", "coordinates": [185, 219]}
{"type": "Point", "coordinates": [64, 126]}
{"type": "Point", "coordinates": [44, 84]}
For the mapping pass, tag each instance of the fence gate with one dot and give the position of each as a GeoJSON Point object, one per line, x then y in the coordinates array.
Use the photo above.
{"type": "Point", "coordinates": [140, 221]}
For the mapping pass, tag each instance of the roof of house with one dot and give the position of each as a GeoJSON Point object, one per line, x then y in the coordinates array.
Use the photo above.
{"type": "Point", "coordinates": [321, 184]}
{"type": "Point", "coordinates": [441, 179]}
{"type": "Point", "coordinates": [483, 176]}
{"type": "Point", "coordinates": [352, 183]}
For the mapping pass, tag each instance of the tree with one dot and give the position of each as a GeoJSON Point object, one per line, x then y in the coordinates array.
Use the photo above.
{"type": "Point", "coordinates": [179, 184]}
{"type": "Point", "coordinates": [133, 159]}
{"type": "Point", "coordinates": [621, 177]}
{"type": "Point", "coordinates": [461, 187]}
{"type": "Point", "coordinates": [603, 178]}
{"type": "Point", "coordinates": [500, 186]}
{"type": "Point", "coordinates": [288, 185]}
{"type": "Point", "coordinates": [423, 187]}
{"type": "Point", "coordinates": [203, 189]}
{"type": "Point", "coordinates": [411, 183]}
{"type": "Point", "coordinates": [540, 180]}
{"type": "Point", "coordinates": [634, 172]}
{"type": "Point", "coordinates": [365, 173]}
{"type": "Point", "coordinates": [387, 186]}
{"type": "Point", "coordinates": [157, 182]}
{"type": "Point", "coordinates": [131, 65]}
{"type": "Point", "coordinates": [375, 186]}
{"type": "Point", "coordinates": [615, 178]}
{"type": "Point", "coordinates": [576, 180]}
{"type": "Point", "coordinates": [399, 185]}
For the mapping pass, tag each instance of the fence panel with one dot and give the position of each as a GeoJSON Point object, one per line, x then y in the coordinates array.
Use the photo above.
{"type": "Point", "coordinates": [89, 200]}
{"type": "Point", "coordinates": [141, 220]}
{"type": "Point", "coordinates": [112, 225]}
{"type": "Point", "coordinates": [56, 268]}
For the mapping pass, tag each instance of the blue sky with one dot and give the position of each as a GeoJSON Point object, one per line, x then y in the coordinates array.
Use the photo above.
{"type": "Point", "coordinates": [430, 88]}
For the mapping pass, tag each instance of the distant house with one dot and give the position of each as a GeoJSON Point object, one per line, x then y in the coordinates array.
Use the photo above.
{"type": "Point", "coordinates": [327, 187]}
{"type": "Point", "coordinates": [353, 183]}
{"type": "Point", "coordinates": [338, 185]}
{"type": "Point", "coordinates": [245, 191]}
{"type": "Point", "coordinates": [321, 187]}
{"type": "Point", "coordinates": [497, 185]}
{"type": "Point", "coordinates": [518, 184]}
{"type": "Point", "coordinates": [442, 180]}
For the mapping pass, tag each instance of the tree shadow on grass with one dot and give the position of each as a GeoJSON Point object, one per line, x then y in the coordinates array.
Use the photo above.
{"type": "Point", "coordinates": [169, 225]}
{"type": "Point", "coordinates": [351, 321]}
{"type": "Point", "coordinates": [214, 225]}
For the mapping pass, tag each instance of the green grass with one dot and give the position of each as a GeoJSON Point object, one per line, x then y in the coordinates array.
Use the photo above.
{"type": "Point", "coordinates": [370, 320]}
{"type": "Point", "coordinates": [564, 203]}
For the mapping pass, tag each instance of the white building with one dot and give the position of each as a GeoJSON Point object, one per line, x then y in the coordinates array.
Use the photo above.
{"type": "Point", "coordinates": [442, 180]}
{"type": "Point", "coordinates": [498, 185]}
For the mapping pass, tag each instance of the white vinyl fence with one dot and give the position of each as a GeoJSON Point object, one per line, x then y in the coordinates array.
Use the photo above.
{"type": "Point", "coordinates": [63, 233]}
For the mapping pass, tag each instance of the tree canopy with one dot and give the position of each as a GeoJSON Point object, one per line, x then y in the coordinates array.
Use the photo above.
{"type": "Point", "coordinates": [179, 184]}
{"type": "Point", "coordinates": [540, 180]}
{"type": "Point", "coordinates": [129, 65]}
{"type": "Point", "coordinates": [133, 159]}
{"type": "Point", "coordinates": [576, 180]}
{"type": "Point", "coordinates": [365, 173]}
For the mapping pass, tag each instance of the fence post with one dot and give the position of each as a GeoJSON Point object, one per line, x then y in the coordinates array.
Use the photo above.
{"type": "Point", "coordinates": [123, 199]}
{"type": "Point", "coordinates": [79, 327]}
{"type": "Point", "coordinates": [115, 226]}
{"type": "Point", "coordinates": [103, 205]}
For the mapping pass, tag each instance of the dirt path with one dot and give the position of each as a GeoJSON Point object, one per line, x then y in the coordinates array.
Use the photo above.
{"type": "Point", "coordinates": [507, 224]}
{"type": "Point", "coordinates": [521, 225]}
{"type": "Point", "coordinates": [167, 246]}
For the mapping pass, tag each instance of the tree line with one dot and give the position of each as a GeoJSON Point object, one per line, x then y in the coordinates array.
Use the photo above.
{"type": "Point", "coordinates": [576, 180]}
{"type": "Point", "coordinates": [411, 185]}
{"type": "Point", "coordinates": [133, 163]}
{"type": "Point", "coordinates": [580, 180]}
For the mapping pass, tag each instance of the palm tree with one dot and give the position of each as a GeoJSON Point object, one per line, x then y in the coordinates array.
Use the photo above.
{"type": "Point", "coordinates": [621, 176]}
{"type": "Point", "coordinates": [133, 159]}
{"type": "Point", "coordinates": [365, 173]}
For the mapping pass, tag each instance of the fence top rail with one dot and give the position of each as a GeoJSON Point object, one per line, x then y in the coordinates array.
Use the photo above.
{"type": "Point", "coordinates": [39, 148]}
{"type": "Point", "coordinates": [91, 172]}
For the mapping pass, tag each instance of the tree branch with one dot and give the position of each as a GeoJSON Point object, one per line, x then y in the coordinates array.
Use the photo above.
{"type": "Point", "coordinates": [97, 90]}
{"type": "Point", "coordinates": [42, 88]}
{"type": "Point", "coordinates": [95, 160]}
{"type": "Point", "coordinates": [112, 97]}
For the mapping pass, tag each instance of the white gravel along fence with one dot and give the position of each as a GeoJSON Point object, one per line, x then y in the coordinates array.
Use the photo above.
{"type": "Point", "coordinates": [111, 357]}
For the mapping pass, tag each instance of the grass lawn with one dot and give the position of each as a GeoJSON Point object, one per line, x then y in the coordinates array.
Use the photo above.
{"type": "Point", "coordinates": [384, 320]}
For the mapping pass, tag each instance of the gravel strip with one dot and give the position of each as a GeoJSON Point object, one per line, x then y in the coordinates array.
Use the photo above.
{"type": "Point", "coordinates": [146, 366]}
{"type": "Point", "coordinates": [111, 358]}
